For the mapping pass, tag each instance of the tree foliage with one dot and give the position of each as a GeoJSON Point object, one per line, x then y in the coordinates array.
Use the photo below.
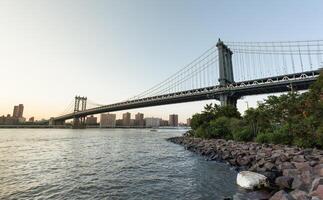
{"type": "Point", "coordinates": [292, 118]}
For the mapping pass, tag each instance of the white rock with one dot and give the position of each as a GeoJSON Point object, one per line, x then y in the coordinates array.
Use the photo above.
{"type": "Point", "coordinates": [251, 180]}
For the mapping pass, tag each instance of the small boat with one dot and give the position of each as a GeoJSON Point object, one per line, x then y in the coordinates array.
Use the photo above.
{"type": "Point", "coordinates": [153, 130]}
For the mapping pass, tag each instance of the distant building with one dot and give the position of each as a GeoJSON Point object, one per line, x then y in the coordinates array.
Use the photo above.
{"type": "Point", "coordinates": [132, 122]}
{"type": "Point", "coordinates": [152, 122]}
{"type": "Point", "coordinates": [9, 120]}
{"type": "Point", "coordinates": [119, 122]}
{"type": "Point", "coordinates": [2, 119]}
{"type": "Point", "coordinates": [91, 120]}
{"type": "Point", "coordinates": [173, 120]}
{"type": "Point", "coordinates": [126, 119]}
{"type": "Point", "coordinates": [31, 119]}
{"type": "Point", "coordinates": [188, 122]}
{"type": "Point", "coordinates": [163, 122]}
{"type": "Point", "coordinates": [139, 120]}
{"type": "Point", "coordinates": [18, 112]}
{"type": "Point", "coordinates": [108, 120]}
{"type": "Point", "coordinates": [15, 111]}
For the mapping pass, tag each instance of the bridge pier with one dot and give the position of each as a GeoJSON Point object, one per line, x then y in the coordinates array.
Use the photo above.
{"type": "Point", "coordinates": [78, 123]}
{"type": "Point", "coordinates": [226, 100]}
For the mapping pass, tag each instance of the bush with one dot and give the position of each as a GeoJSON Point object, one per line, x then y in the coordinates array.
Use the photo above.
{"type": "Point", "coordinates": [201, 132]}
{"type": "Point", "coordinates": [243, 135]}
{"type": "Point", "coordinates": [304, 143]}
{"type": "Point", "coordinates": [320, 136]}
{"type": "Point", "coordinates": [220, 128]}
{"type": "Point", "coordinates": [262, 138]}
{"type": "Point", "coordinates": [196, 121]}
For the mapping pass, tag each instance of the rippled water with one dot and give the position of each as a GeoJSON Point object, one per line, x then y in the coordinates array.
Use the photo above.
{"type": "Point", "coordinates": [106, 164]}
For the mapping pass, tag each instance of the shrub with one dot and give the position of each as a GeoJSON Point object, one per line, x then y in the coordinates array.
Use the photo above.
{"type": "Point", "coordinates": [201, 132]}
{"type": "Point", "coordinates": [243, 134]}
{"type": "Point", "coordinates": [320, 136]}
{"type": "Point", "coordinates": [220, 128]}
{"type": "Point", "coordinates": [262, 138]}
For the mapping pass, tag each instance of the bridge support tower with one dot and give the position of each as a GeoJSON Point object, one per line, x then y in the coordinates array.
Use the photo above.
{"type": "Point", "coordinates": [226, 74]}
{"type": "Point", "coordinates": [79, 105]}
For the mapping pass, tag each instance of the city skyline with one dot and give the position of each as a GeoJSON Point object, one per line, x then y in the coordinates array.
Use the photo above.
{"type": "Point", "coordinates": [55, 50]}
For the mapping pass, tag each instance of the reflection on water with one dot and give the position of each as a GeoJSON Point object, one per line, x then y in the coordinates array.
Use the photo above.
{"type": "Point", "coordinates": [106, 164]}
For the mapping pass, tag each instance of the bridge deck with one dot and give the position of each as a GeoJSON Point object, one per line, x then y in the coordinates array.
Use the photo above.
{"type": "Point", "coordinates": [300, 81]}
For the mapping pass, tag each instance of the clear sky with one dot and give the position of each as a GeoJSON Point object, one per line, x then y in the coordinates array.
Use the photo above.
{"type": "Point", "coordinates": [109, 50]}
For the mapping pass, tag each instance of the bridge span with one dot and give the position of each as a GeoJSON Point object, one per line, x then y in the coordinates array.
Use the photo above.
{"type": "Point", "coordinates": [193, 82]}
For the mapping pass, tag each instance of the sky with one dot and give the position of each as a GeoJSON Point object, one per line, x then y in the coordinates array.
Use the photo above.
{"type": "Point", "coordinates": [110, 50]}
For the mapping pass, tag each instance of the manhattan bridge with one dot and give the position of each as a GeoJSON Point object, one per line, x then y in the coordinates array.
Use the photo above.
{"type": "Point", "coordinates": [225, 72]}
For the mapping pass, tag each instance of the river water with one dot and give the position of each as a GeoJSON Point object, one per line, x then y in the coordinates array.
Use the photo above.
{"type": "Point", "coordinates": [106, 164]}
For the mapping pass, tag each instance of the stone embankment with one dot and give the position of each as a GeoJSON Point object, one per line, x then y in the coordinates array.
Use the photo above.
{"type": "Point", "coordinates": [294, 173]}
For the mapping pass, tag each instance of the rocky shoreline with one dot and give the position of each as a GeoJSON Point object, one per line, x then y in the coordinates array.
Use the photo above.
{"type": "Point", "coordinates": [294, 173]}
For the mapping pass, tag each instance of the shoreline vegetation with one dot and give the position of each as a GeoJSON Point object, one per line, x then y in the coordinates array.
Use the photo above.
{"type": "Point", "coordinates": [282, 139]}
{"type": "Point", "coordinates": [291, 119]}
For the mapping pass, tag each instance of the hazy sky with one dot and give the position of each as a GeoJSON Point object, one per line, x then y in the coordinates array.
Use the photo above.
{"type": "Point", "coordinates": [51, 50]}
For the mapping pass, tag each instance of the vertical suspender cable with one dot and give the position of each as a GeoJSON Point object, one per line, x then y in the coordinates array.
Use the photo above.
{"type": "Point", "coordinates": [300, 56]}
{"type": "Point", "coordinates": [292, 57]}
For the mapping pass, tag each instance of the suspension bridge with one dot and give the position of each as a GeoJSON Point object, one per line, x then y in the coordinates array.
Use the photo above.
{"type": "Point", "coordinates": [225, 72]}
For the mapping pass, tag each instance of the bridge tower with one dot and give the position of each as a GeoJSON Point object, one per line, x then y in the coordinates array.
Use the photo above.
{"type": "Point", "coordinates": [226, 73]}
{"type": "Point", "coordinates": [79, 105]}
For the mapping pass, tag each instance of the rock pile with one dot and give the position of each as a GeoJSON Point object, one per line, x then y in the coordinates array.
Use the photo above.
{"type": "Point", "coordinates": [294, 173]}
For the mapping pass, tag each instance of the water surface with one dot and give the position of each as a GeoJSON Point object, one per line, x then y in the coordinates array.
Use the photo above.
{"type": "Point", "coordinates": [106, 164]}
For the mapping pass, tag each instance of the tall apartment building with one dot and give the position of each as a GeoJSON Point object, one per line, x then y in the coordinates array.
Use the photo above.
{"type": "Point", "coordinates": [173, 120]}
{"type": "Point", "coordinates": [15, 111]}
{"type": "Point", "coordinates": [152, 122]}
{"type": "Point", "coordinates": [108, 120]}
{"type": "Point", "coordinates": [18, 111]}
{"type": "Point", "coordinates": [139, 120]}
{"type": "Point", "coordinates": [126, 119]}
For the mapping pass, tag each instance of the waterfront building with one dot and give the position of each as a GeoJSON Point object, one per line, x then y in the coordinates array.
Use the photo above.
{"type": "Point", "coordinates": [152, 122]}
{"type": "Point", "coordinates": [91, 120]}
{"type": "Point", "coordinates": [163, 122]}
{"type": "Point", "coordinates": [119, 122]}
{"type": "Point", "coordinates": [173, 120]}
{"type": "Point", "coordinates": [108, 120]}
{"type": "Point", "coordinates": [139, 120]}
{"type": "Point", "coordinates": [2, 119]}
{"type": "Point", "coordinates": [132, 122]}
{"type": "Point", "coordinates": [10, 120]}
{"type": "Point", "coordinates": [15, 111]}
{"type": "Point", "coordinates": [126, 119]}
{"type": "Point", "coordinates": [20, 111]}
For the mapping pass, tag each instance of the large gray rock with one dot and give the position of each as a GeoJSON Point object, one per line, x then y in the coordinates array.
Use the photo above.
{"type": "Point", "coordinates": [251, 180]}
